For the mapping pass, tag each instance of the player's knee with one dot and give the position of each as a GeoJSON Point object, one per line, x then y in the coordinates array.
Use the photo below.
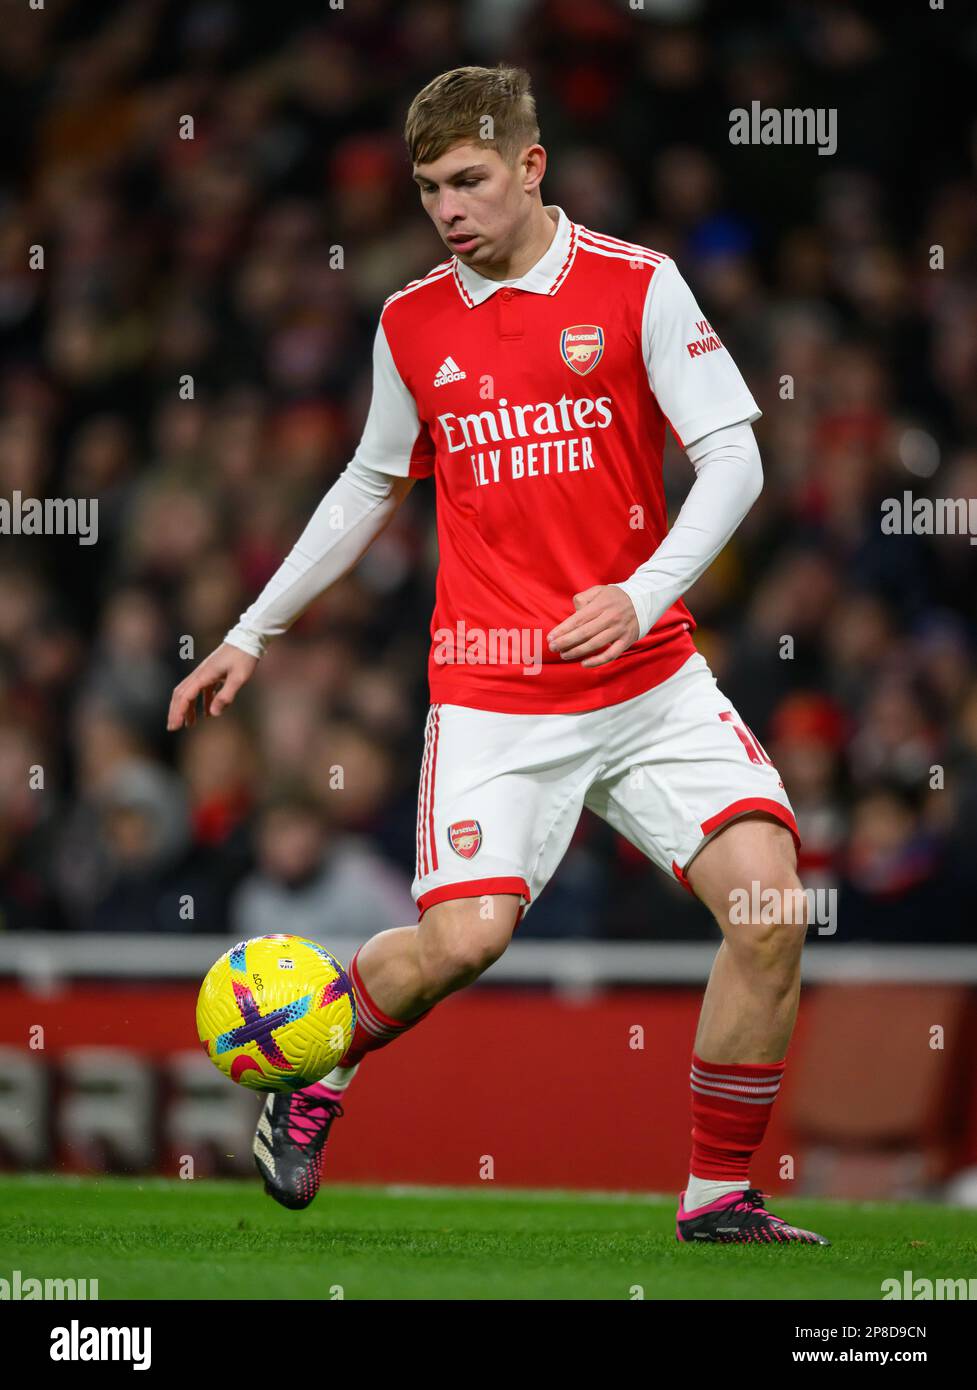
{"type": "Point", "coordinates": [462, 938]}
{"type": "Point", "coordinates": [465, 959]}
{"type": "Point", "coordinates": [463, 955]}
{"type": "Point", "coordinates": [747, 877]}
{"type": "Point", "coordinates": [766, 921]}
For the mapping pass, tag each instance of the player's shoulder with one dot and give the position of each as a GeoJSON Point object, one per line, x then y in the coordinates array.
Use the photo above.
{"type": "Point", "coordinates": [613, 255]}
{"type": "Point", "coordinates": [415, 296]}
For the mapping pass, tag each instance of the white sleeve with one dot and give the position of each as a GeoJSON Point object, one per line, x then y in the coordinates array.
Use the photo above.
{"type": "Point", "coordinates": [394, 440]}
{"type": "Point", "coordinates": [728, 480]}
{"type": "Point", "coordinates": [348, 519]}
{"type": "Point", "coordinates": [694, 379]}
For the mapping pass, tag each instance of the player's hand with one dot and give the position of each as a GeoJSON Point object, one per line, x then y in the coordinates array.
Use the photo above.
{"type": "Point", "coordinates": [605, 622]}
{"type": "Point", "coordinates": [219, 676]}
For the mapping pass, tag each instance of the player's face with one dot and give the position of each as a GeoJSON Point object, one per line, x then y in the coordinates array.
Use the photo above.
{"type": "Point", "coordinates": [478, 202]}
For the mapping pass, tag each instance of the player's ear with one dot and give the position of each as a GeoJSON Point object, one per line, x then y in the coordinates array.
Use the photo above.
{"type": "Point", "coordinates": [533, 160]}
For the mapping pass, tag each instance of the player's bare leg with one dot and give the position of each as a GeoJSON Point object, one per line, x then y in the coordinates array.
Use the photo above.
{"type": "Point", "coordinates": [745, 1025]}
{"type": "Point", "coordinates": [398, 976]}
{"type": "Point", "coordinates": [750, 1004]}
{"type": "Point", "coordinates": [409, 969]}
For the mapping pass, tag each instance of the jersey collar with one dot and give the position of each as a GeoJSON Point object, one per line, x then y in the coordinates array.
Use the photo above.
{"type": "Point", "coordinates": [545, 277]}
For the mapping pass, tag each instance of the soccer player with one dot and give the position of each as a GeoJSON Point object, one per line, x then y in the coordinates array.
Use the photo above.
{"type": "Point", "coordinates": [533, 374]}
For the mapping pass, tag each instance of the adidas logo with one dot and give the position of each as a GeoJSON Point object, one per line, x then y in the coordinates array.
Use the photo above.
{"type": "Point", "coordinates": [449, 371]}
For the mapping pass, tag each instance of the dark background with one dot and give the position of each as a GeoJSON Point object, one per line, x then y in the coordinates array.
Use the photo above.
{"type": "Point", "coordinates": [215, 257]}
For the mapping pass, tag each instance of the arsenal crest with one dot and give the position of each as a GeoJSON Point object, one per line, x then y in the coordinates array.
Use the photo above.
{"type": "Point", "coordinates": [582, 347]}
{"type": "Point", "coordinates": [465, 836]}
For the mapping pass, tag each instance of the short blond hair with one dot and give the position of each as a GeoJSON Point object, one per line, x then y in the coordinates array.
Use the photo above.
{"type": "Point", "coordinates": [452, 109]}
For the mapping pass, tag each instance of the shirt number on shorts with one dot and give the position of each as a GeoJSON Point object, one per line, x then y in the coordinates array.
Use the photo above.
{"type": "Point", "coordinates": [755, 750]}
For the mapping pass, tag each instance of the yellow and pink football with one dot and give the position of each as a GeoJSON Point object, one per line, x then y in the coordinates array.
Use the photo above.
{"type": "Point", "coordinates": [276, 1013]}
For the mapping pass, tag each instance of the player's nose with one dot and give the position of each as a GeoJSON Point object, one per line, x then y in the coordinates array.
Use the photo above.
{"type": "Point", "coordinates": [448, 210]}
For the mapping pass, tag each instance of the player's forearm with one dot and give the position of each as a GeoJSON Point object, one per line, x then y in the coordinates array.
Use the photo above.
{"type": "Point", "coordinates": [346, 522]}
{"type": "Point", "coordinates": [729, 478]}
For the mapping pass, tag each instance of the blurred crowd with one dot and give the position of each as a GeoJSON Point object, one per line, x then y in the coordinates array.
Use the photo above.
{"type": "Point", "coordinates": [194, 352]}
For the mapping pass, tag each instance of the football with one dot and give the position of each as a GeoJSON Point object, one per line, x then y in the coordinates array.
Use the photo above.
{"type": "Point", "coordinates": [276, 1013]}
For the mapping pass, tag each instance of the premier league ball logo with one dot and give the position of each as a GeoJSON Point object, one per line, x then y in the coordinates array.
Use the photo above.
{"type": "Point", "coordinates": [582, 347]}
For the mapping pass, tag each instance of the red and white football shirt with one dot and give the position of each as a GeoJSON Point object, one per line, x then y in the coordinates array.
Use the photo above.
{"type": "Point", "coordinates": [540, 405]}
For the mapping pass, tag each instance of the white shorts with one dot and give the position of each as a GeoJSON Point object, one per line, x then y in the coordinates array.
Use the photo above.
{"type": "Point", "coordinates": [500, 794]}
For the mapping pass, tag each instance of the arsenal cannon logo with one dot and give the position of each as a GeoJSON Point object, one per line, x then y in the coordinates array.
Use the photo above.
{"type": "Point", "coordinates": [582, 347]}
{"type": "Point", "coordinates": [465, 836]}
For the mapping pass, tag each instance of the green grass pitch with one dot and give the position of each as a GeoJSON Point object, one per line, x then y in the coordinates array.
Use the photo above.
{"type": "Point", "coordinates": [156, 1238]}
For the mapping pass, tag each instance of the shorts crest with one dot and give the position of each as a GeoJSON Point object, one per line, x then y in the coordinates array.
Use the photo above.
{"type": "Point", "coordinates": [464, 837]}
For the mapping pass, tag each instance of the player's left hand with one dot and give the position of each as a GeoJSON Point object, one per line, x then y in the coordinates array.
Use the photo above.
{"type": "Point", "coordinates": [605, 622]}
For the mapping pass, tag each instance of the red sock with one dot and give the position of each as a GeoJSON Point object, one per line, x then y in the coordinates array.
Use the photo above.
{"type": "Point", "coordinates": [731, 1104]}
{"type": "Point", "coordinates": [373, 1027]}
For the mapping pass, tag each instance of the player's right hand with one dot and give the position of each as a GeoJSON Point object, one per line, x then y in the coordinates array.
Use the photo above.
{"type": "Point", "coordinates": [219, 676]}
